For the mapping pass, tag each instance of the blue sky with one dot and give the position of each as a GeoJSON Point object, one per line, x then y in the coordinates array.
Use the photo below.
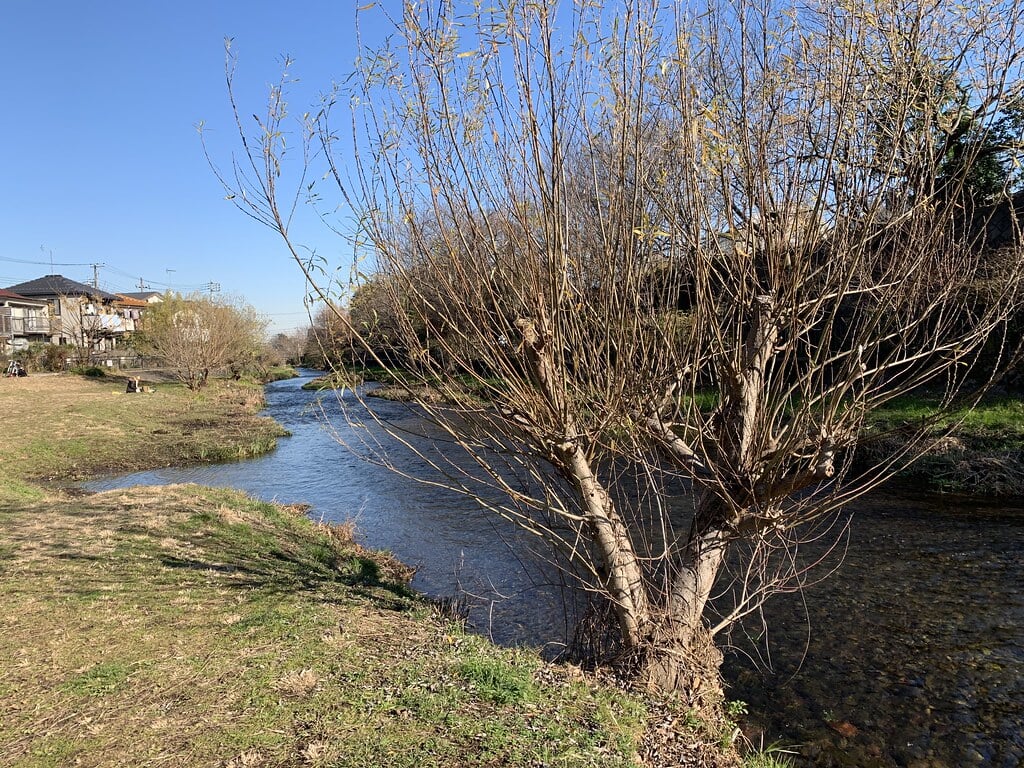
{"type": "Point", "coordinates": [102, 162]}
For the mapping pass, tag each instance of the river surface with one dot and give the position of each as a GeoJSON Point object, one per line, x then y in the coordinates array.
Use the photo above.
{"type": "Point", "coordinates": [912, 654]}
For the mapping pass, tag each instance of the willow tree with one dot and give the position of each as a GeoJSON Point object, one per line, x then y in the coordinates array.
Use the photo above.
{"type": "Point", "coordinates": [676, 246]}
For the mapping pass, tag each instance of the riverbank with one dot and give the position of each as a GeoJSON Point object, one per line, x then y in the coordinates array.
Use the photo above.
{"type": "Point", "coordinates": [64, 428]}
{"type": "Point", "coordinates": [974, 451]}
{"type": "Point", "coordinates": [191, 626]}
{"type": "Point", "coordinates": [399, 389]}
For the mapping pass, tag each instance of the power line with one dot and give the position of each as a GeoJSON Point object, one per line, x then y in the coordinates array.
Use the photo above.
{"type": "Point", "coordinates": [211, 286]}
{"type": "Point", "coordinates": [134, 276]}
{"type": "Point", "coordinates": [47, 263]}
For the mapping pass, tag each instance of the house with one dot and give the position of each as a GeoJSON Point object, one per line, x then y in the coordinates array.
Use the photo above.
{"type": "Point", "coordinates": [150, 297]}
{"type": "Point", "coordinates": [131, 309]}
{"type": "Point", "coordinates": [22, 321]}
{"type": "Point", "coordinates": [80, 315]}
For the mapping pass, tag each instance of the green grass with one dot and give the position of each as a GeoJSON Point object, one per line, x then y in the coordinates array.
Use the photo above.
{"type": "Point", "coordinates": [51, 752]}
{"type": "Point", "coordinates": [767, 759]}
{"type": "Point", "coordinates": [497, 680]}
{"type": "Point", "coordinates": [995, 416]}
{"type": "Point", "coordinates": [198, 626]}
{"type": "Point", "coordinates": [102, 679]}
{"type": "Point", "coordinates": [20, 491]}
{"type": "Point", "coordinates": [71, 427]}
{"type": "Point", "coordinates": [981, 455]}
{"type": "Point", "coordinates": [279, 373]}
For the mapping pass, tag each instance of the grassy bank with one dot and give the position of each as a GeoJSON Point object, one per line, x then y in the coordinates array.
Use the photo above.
{"type": "Point", "coordinates": [188, 626]}
{"type": "Point", "coordinates": [398, 387]}
{"type": "Point", "coordinates": [65, 427]}
{"type": "Point", "coordinates": [280, 373]}
{"type": "Point", "coordinates": [980, 456]}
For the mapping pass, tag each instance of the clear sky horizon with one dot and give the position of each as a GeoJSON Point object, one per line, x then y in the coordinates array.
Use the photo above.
{"type": "Point", "coordinates": [104, 164]}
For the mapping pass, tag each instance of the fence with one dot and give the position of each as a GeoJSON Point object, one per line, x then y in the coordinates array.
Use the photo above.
{"type": "Point", "coordinates": [109, 360]}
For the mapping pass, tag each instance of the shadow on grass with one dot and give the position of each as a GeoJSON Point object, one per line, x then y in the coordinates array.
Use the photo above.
{"type": "Point", "coordinates": [281, 551]}
{"type": "Point", "coordinates": [91, 545]}
{"type": "Point", "coordinates": [283, 573]}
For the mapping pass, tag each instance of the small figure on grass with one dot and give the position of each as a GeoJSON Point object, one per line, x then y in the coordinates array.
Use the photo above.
{"type": "Point", "coordinates": [15, 369]}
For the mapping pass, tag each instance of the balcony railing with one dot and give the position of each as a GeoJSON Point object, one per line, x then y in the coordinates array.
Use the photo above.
{"type": "Point", "coordinates": [29, 325]}
{"type": "Point", "coordinates": [24, 326]}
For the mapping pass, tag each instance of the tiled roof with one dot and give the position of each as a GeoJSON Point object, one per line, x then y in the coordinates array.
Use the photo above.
{"type": "Point", "coordinates": [127, 300]}
{"type": "Point", "coordinates": [142, 296]}
{"type": "Point", "coordinates": [6, 295]}
{"type": "Point", "coordinates": [58, 285]}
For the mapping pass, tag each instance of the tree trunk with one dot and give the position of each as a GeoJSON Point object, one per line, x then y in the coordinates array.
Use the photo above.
{"type": "Point", "coordinates": [621, 571]}
{"type": "Point", "coordinates": [685, 661]}
{"type": "Point", "coordinates": [672, 646]}
{"type": "Point", "coordinates": [683, 656]}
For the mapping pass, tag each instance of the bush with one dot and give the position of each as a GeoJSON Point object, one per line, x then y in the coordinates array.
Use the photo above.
{"type": "Point", "coordinates": [43, 357]}
{"type": "Point", "coordinates": [92, 371]}
{"type": "Point", "coordinates": [54, 357]}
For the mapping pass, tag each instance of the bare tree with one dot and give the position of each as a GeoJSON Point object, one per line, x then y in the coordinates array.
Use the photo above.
{"type": "Point", "coordinates": [198, 336]}
{"type": "Point", "coordinates": [84, 321]}
{"type": "Point", "coordinates": [289, 347]}
{"type": "Point", "coordinates": [328, 341]}
{"type": "Point", "coordinates": [687, 248]}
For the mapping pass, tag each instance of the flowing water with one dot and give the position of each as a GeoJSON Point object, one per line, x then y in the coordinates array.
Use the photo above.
{"type": "Point", "coordinates": [912, 654]}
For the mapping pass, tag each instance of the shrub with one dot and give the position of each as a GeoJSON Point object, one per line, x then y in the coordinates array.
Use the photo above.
{"type": "Point", "coordinates": [92, 371]}
{"type": "Point", "coordinates": [44, 357]}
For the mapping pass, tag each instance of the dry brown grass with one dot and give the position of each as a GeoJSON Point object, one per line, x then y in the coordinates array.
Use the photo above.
{"type": "Point", "coordinates": [67, 427]}
{"type": "Point", "coordinates": [195, 627]}
{"type": "Point", "coordinates": [117, 641]}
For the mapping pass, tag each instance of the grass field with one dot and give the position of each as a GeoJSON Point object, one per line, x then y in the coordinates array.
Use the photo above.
{"type": "Point", "coordinates": [71, 427]}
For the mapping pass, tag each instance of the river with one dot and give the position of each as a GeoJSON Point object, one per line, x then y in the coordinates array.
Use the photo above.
{"type": "Point", "coordinates": [912, 654]}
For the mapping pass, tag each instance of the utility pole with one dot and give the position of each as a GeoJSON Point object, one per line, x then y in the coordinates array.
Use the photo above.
{"type": "Point", "coordinates": [96, 275]}
{"type": "Point", "coordinates": [212, 287]}
{"type": "Point", "coordinates": [168, 271]}
{"type": "Point", "coordinates": [142, 285]}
